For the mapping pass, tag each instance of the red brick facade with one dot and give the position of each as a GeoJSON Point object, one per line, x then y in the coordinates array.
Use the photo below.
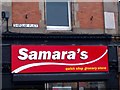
{"type": "Point", "coordinates": [90, 15]}
{"type": "Point", "coordinates": [25, 13]}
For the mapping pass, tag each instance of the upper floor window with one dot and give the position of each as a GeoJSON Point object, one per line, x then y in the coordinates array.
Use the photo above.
{"type": "Point", "coordinates": [119, 12]}
{"type": "Point", "coordinates": [58, 16]}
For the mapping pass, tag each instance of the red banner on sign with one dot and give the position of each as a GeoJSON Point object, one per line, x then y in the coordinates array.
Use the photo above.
{"type": "Point", "coordinates": [48, 59]}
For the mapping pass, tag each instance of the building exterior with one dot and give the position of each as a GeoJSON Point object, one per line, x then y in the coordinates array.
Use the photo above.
{"type": "Point", "coordinates": [60, 46]}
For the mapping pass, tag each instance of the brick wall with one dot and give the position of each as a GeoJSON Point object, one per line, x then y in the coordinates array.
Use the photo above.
{"type": "Point", "coordinates": [90, 15]}
{"type": "Point", "coordinates": [25, 13]}
{"type": "Point", "coordinates": [87, 18]}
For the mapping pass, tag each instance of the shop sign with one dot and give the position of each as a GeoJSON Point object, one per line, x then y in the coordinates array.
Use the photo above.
{"type": "Point", "coordinates": [25, 25]}
{"type": "Point", "coordinates": [57, 59]}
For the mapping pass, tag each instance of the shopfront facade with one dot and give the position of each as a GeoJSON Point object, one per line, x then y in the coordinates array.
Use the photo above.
{"type": "Point", "coordinates": [58, 63]}
{"type": "Point", "coordinates": [73, 49]}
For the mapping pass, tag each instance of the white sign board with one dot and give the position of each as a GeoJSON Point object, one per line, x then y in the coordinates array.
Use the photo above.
{"type": "Point", "coordinates": [109, 20]}
{"type": "Point", "coordinates": [25, 25]}
{"type": "Point", "coordinates": [62, 88]}
{"type": "Point", "coordinates": [81, 88]}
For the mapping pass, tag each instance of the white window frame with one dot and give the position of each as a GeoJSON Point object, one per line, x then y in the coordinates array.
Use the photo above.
{"type": "Point", "coordinates": [62, 27]}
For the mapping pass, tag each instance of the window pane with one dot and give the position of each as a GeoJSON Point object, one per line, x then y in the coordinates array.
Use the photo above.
{"type": "Point", "coordinates": [93, 85]}
{"type": "Point", "coordinates": [57, 14]}
{"type": "Point", "coordinates": [90, 85]}
{"type": "Point", "coordinates": [119, 12]}
{"type": "Point", "coordinates": [62, 86]}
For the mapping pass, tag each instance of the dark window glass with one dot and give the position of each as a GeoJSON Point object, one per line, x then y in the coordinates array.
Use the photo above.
{"type": "Point", "coordinates": [57, 14]}
{"type": "Point", "coordinates": [119, 12]}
